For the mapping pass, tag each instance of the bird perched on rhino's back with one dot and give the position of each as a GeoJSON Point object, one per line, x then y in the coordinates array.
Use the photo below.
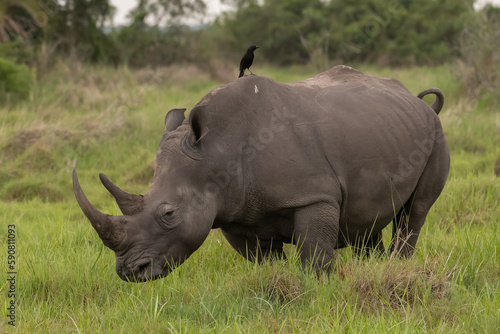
{"type": "Point", "coordinates": [247, 60]}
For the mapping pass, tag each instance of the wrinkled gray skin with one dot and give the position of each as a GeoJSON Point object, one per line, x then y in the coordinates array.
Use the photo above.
{"type": "Point", "coordinates": [323, 163]}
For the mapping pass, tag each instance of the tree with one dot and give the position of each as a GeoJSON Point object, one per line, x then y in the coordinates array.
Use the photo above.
{"type": "Point", "coordinates": [390, 32]}
{"type": "Point", "coordinates": [170, 12]}
{"type": "Point", "coordinates": [18, 20]}
{"type": "Point", "coordinates": [480, 59]}
{"type": "Point", "coordinates": [290, 31]}
{"type": "Point", "coordinates": [157, 35]}
{"type": "Point", "coordinates": [77, 26]}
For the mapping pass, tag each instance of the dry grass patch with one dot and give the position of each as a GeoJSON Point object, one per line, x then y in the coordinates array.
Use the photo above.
{"type": "Point", "coordinates": [274, 282]}
{"type": "Point", "coordinates": [47, 137]}
{"type": "Point", "coordinates": [283, 287]}
{"type": "Point", "coordinates": [173, 74]}
{"type": "Point", "coordinates": [397, 283]}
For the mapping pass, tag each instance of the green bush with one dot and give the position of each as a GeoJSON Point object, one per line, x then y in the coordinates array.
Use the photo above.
{"type": "Point", "coordinates": [390, 33]}
{"type": "Point", "coordinates": [18, 52]}
{"type": "Point", "coordinates": [15, 79]}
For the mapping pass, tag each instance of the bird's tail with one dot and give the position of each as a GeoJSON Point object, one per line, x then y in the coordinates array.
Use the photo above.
{"type": "Point", "coordinates": [242, 73]}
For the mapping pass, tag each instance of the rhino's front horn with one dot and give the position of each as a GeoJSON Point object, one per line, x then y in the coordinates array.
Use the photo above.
{"type": "Point", "coordinates": [128, 203]}
{"type": "Point", "coordinates": [110, 228]}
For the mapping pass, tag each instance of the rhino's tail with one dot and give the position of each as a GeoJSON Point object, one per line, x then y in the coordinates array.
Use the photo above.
{"type": "Point", "coordinates": [438, 103]}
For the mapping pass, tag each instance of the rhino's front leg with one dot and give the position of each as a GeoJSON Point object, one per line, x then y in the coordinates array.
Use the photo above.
{"type": "Point", "coordinates": [316, 233]}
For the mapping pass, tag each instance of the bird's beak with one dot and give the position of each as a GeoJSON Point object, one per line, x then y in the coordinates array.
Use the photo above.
{"type": "Point", "coordinates": [257, 46]}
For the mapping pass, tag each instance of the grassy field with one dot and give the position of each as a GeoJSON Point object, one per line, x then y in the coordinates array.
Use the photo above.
{"type": "Point", "coordinates": [111, 120]}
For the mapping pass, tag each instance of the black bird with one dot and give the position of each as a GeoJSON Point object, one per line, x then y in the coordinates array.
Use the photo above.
{"type": "Point", "coordinates": [247, 60]}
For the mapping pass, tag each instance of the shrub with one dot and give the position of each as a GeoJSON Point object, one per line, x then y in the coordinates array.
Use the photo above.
{"type": "Point", "coordinates": [15, 79]}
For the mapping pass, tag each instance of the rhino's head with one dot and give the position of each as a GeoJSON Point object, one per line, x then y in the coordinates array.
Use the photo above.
{"type": "Point", "coordinates": [163, 227]}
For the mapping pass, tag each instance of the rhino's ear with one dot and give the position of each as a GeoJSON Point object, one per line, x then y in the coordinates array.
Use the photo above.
{"type": "Point", "coordinates": [174, 119]}
{"type": "Point", "coordinates": [198, 119]}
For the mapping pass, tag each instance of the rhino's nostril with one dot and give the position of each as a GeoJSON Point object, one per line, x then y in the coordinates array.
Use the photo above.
{"type": "Point", "coordinates": [143, 268]}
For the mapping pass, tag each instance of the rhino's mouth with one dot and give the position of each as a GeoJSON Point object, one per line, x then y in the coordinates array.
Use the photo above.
{"type": "Point", "coordinates": [145, 270]}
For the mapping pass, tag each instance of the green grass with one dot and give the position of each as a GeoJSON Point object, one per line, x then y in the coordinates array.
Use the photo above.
{"type": "Point", "coordinates": [104, 120]}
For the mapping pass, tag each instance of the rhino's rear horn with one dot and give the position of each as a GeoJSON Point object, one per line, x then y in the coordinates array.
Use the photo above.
{"type": "Point", "coordinates": [128, 203]}
{"type": "Point", "coordinates": [111, 229]}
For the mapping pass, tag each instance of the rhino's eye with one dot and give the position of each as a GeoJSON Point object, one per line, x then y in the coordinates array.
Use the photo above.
{"type": "Point", "coordinates": [165, 211]}
{"type": "Point", "coordinates": [167, 217]}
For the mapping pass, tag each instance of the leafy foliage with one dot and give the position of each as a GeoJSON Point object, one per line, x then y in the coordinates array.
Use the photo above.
{"type": "Point", "coordinates": [399, 32]}
{"type": "Point", "coordinates": [77, 27]}
{"type": "Point", "coordinates": [392, 32]}
{"type": "Point", "coordinates": [169, 12]}
{"type": "Point", "coordinates": [142, 43]}
{"type": "Point", "coordinates": [14, 79]}
{"type": "Point", "coordinates": [19, 20]}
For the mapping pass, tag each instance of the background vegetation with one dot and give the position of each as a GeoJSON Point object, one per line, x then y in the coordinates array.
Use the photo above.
{"type": "Point", "coordinates": [77, 92]}
{"type": "Point", "coordinates": [41, 33]}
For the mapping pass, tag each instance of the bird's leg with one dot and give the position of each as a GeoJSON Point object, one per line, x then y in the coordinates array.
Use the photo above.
{"type": "Point", "coordinates": [251, 71]}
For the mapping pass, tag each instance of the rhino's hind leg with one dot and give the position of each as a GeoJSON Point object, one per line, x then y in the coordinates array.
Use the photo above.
{"type": "Point", "coordinates": [401, 232]}
{"type": "Point", "coordinates": [364, 247]}
{"type": "Point", "coordinates": [410, 219]}
{"type": "Point", "coordinates": [407, 225]}
{"type": "Point", "coordinates": [255, 249]}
